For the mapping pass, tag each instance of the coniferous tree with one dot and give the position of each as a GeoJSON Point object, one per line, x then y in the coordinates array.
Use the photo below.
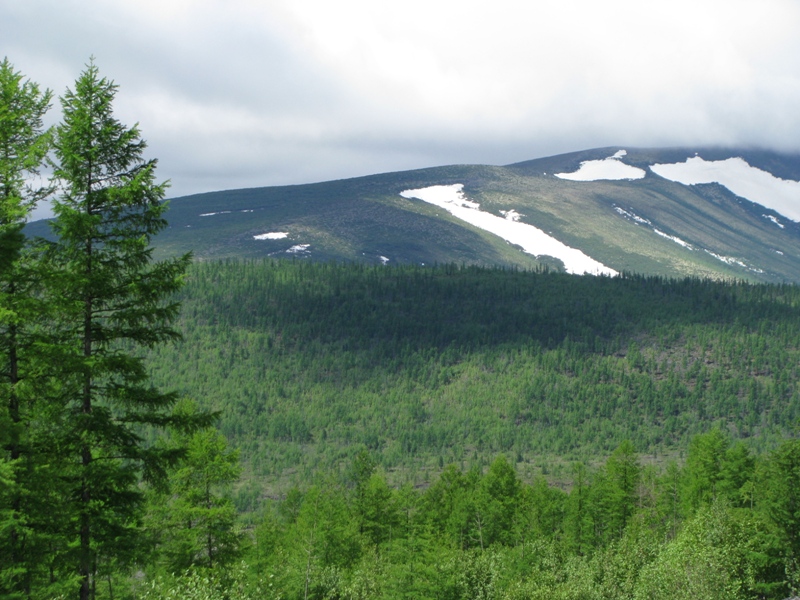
{"type": "Point", "coordinates": [114, 299]}
{"type": "Point", "coordinates": [195, 517]}
{"type": "Point", "coordinates": [23, 145]}
{"type": "Point", "coordinates": [782, 504]}
{"type": "Point", "coordinates": [498, 498]}
{"type": "Point", "coordinates": [378, 513]}
{"type": "Point", "coordinates": [616, 496]}
{"type": "Point", "coordinates": [705, 468]}
{"type": "Point", "coordinates": [578, 523]}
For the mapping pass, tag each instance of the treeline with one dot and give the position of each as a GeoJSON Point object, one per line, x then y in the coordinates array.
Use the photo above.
{"type": "Point", "coordinates": [427, 366]}
{"type": "Point", "coordinates": [725, 524]}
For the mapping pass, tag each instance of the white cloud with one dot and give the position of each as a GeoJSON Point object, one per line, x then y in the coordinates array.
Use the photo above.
{"type": "Point", "coordinates": [246, 92]}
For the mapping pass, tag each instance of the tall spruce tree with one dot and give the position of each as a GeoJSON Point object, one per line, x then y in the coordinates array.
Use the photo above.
{"type": "Point", "coordinates": [24, 144]}
{"type": "Point", "coordinates": [115, 300]}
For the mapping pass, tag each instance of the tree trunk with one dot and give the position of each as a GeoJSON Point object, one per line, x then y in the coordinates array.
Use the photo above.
{"type": "Point", "coordinates": [85, 568]}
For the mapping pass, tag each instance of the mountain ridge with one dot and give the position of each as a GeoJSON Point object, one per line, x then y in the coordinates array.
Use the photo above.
{"type": "Point", "coordinates": [648, 224]}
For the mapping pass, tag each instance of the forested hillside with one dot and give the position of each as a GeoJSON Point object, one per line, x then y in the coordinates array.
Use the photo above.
{"type": "Point", "coordinates": [446, 432]}
{"type": "Point", "coordinates": [459, 432]}
{"type": "Point", "coordinates": [426, 366]}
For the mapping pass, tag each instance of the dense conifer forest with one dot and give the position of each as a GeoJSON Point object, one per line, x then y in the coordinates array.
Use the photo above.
{"type": "Point", "coordinates": [264, 429]}
{"type": "Point", "coordinates": [426, 366]}
{"type": "Point", "coordinates": [464, 432]}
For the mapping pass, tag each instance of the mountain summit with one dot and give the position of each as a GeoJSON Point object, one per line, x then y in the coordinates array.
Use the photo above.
{"type": "Point", "coordinates": [705, 212]}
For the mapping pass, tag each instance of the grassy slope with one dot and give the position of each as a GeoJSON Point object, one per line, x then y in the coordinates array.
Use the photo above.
{"type": "Point", "coordinates": [360, 219]}
{"type": "Point", "coordinates": [706, 216]}
{"type": "Point", "coordinates": [365, 218]}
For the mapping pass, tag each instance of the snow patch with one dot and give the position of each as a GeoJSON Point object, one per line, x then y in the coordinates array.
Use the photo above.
{"type": "Point", "coordinates": [728, 260]}
{"type": "Point", "coordinates": [299, 248]}
{"type": "Point", "coordinates": [531, 239]}
{"type": "Point", "coordinates": [511, 215]}
{"type": "Point", "coordinates": [611, 168]}
{"type": "Point", "coordinates": [774, 220]}
{"type": "Point", "coordinates": [635, 218]}
{"type": "Point", "coordinates": [211, 214]}
{"type": "Point", "coordinates": [642, 221]}
{"type": "Point", "coordinates": [274, 235]}
{"type": "Point", "coordinates": [761, 187]}
{"type": "Point", "coordinates": [675, 239]}
{"type": "Point", "coordinates": [384, 260]}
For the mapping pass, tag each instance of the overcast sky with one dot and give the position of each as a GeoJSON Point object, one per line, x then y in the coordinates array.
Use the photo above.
{"type": "Point", "coordinates": [244, 93]}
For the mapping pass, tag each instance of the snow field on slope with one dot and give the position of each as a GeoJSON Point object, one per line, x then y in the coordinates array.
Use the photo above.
{"type": "Point", "coordinates": [611, 168]}
{"type": "Point", "coordinates": [761, 187]}
{"type": "Point", "coordinates": [273, 235]}
{"type": "Point", "coordinates": [531, 239]}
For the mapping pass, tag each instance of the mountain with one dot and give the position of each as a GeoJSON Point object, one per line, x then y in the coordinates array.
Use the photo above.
{"type": "Point", "coordinates": [707, 212]}
{"type": "Point", "coordinates": [309, 361]}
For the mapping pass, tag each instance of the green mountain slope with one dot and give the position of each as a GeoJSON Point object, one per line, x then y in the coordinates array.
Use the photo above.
{"type": "Point", "coordinates": [366, 219]}
{"type": "Point", "coordinates": [650, 225]}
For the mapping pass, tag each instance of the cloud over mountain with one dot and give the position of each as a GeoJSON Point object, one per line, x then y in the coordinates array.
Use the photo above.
{"type": "Point", "coordinates": [242, 93]}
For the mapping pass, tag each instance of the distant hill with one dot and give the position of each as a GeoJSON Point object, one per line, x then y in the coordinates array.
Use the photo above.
{"type": "Point", "coordinates": [739, 220]}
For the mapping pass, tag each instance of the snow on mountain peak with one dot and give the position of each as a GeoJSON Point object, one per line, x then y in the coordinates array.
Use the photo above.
{"type": "Point", "coordinates": [610, 168]}
{"type": "Point", "coordinates": [744, 180]}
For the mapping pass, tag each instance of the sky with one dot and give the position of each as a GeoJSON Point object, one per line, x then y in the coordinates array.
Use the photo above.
{"type": "Point", "coordinates": [247, 93]}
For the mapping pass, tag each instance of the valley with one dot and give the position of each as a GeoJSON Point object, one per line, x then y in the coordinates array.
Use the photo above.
{"type": "Point", "coordinates": [573, 375]}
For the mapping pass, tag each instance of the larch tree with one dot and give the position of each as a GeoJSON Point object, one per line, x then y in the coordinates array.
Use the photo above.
{"type": "Point", "coordinates": [114, 301]}
{"type": "Point", "coordinates": [194, 519]}
{"type": "Point", "coordinates": [617, 496]}
{"type": "Point", "coordinates": [24, 143]}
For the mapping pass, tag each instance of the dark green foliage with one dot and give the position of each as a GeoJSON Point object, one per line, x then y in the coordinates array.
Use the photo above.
{"type": "Point", "coordinates": [529, 549]}
{"type": "Point", "coordinates": [377, 511]}
{"type": "Point", "coordinates": [23, 147]}
{"type": "Point", "coordinates": [497, 504]}
{"type": "Point", "coordinates": [27, 544]}
{"type": "Point", "coordinates": [579, 525]}
{"type": "Point", "coordinates": [75, 316]}
{"type": "Point", "coordinates": [541, 511]}
{"type": "Point", "coordinates": [192, 519]}
{"type": "Point", "coordinates": [715, 469]}
{"type": "Point", "coordinates": [110, 294]}
{"type": "Point", "coordinates": [782, 499]}
{"type": "Point", "coordinates": [616, 493]}
{"type": "Point", "coordinates": [426, 366]}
